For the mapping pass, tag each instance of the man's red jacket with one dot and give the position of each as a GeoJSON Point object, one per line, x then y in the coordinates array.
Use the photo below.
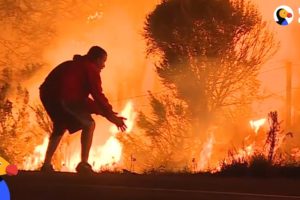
{"type": "Point", "coordinates": [72, 82]}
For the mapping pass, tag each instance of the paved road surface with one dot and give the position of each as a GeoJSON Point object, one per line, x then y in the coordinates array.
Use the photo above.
{"type": "Point", "coordinates": [68, 186]}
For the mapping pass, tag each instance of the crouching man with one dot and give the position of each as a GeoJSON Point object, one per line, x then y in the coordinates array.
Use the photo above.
{"type": "Point", "coordinates": [65, 96]}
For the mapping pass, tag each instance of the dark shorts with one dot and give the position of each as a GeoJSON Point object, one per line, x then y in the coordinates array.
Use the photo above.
{"type": "Point", "coordinates": [70, 116]}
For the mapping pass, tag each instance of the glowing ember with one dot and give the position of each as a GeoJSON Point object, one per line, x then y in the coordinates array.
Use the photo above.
{"type": "Point", "coordinates": [256, 124]}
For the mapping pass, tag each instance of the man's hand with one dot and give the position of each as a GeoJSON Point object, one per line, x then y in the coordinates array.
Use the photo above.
{"type": "Point", "coordinates": [118, 121]}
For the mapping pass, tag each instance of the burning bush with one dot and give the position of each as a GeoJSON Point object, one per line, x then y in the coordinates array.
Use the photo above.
{"type": "Point", "coordinates": [168, 135]}
{"type": "Point", "coordinates": [17, 133]}
{"type": "Point", "coordinates": [263, 160]}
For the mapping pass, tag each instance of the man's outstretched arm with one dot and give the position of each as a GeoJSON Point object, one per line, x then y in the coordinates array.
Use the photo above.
{"type": "Point", "coordinates": [95, 85]}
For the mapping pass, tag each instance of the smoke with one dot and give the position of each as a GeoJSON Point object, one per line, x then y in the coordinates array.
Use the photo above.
{"type": "Point", "coordinates": [118, 28]}
{"type": "Point", "coordinates": [273, 73]}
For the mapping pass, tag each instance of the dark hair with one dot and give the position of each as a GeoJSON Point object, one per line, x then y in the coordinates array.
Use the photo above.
{"type": "Point", "coordinates": [96, 52]}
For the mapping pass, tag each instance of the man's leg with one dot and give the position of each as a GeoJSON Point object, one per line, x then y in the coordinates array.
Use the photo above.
{"type": "Point", "coordinates": [83, 116]}
{"type": "Point", "coordinates": [86, 139]}
{"type": "Point", "coordinates": [53, 143]}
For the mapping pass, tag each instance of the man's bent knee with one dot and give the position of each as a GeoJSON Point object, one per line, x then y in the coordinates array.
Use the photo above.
{"type": "Point", "coordinates": [89, 124]}
{"type": "Point", "coordinates": [58, 131]}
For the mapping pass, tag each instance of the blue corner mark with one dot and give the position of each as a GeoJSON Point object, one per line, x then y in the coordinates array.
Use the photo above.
{"type": "Point", "coordinates": [4, 191]}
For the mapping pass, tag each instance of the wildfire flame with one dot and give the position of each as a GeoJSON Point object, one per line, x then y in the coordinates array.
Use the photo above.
{"type": "Point", "coordinates": [245, 152]}
{"type": "Point", "coordinates": [34, 160]}
{"type": "Point", "coordinates": [251, 146]}
{"type": "Point", "coordinates": [206, 153]}
{"type": "Point", "coordinates": [106, 157]}
{"type": "Point", "coordinates": [256, 124]}
{"type": "Point", "coordinates": [130, 115]}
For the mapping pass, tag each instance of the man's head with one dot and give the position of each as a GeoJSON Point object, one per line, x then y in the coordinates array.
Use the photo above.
{"type": "Point", "coordinates": [97, 55]}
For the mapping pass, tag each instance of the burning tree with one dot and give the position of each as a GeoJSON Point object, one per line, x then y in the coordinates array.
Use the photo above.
{"type": "Point", "coordinates": [211, 53]}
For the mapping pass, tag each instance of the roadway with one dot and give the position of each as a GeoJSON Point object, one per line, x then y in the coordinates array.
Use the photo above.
{"type": "Point", "coordinates": [69, 186]}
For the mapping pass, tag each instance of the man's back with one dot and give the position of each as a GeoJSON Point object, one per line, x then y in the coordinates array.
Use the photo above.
{"type": "Point", "coordinates": [68, 81]}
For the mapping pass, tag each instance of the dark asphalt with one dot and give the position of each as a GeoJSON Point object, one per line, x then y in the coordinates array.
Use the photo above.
{"type": "Point", "coordinates": [68, 186]}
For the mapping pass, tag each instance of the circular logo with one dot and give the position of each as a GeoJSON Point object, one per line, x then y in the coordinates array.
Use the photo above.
{"type": "Point", "coordinates": [283, 15]}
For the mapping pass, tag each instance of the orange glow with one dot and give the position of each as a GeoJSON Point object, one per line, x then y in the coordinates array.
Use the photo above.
{"type": "Point", "coordinates": [105, 157]}
{"type": "Point", "coordinates": [129, 73]}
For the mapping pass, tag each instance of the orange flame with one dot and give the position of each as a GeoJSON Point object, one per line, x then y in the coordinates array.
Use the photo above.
{"type": "Point", "coordinates": [106, 157]}
{"type": "Point", "coordinates": [33, 161]}
{"type": "Point", "coordinates": [256, 124]}
{"type": "Point", "coordinates": [206, 153]}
